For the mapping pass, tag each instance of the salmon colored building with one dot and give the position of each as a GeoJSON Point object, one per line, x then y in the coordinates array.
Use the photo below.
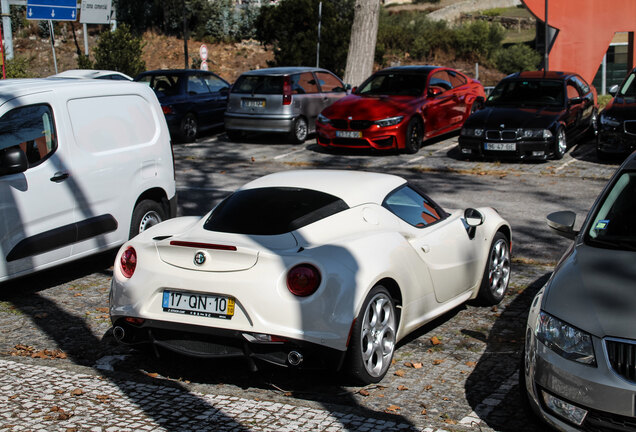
{"type": "Point", "coordinates": [585, 29]}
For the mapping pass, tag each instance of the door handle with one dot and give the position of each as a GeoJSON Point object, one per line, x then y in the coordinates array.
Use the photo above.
{"type": "Point", "coordinates": [426, 248]}
{"type": "Point", "coordinates": [60, 176]}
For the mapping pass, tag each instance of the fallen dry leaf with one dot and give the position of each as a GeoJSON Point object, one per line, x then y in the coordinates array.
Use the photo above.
{"type": "Point", "coordinates": [423, 411]}
{"type": "Point", "coordinates": [102, 309]}
{"type": "Point", "coordinates": [41, 315]}
{"type": "Point", "coordinates": [77, 392]}
{"type": "Point", "coordinates": [408, 364]}
{"type": "Point", "coordinates": [438, 362]}
{"type": "Point", "coordinates": [363, 392]}
{"type": "Point", "coordinates": [399, 373]}
{"type": "Point", "coordinates": [450, 421]}
{"type": "Point", "coordinates": [435, 340]}
{"type": "Point", "coordinates": [78, 295]}
{"type": "Point", "coordinates": [428, 387]}
{"type": "Point", "coordinates": [418, 365]}
{"type": "Point", "coordinates": [402, 387]}
{"type": "Point", "coordinates": [393, 408]}
{"type": "Point", "coordinates": [13, 396]}
{"type": "Point", "coordinates": [471, 364]}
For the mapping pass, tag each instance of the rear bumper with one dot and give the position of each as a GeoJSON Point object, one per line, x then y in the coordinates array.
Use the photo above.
{"type": "Point", "coordinates": [613, 140]}
{"type": "Point", "coordinates": [251, 123]}
{"type": "Point", "coordinates": [210, 342]}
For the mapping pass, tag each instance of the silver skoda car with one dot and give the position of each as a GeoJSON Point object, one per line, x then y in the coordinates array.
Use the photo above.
{"type": "Point", "coordinates": [579, 366]}
{"type": "Point", "coordinates": [282, 100]}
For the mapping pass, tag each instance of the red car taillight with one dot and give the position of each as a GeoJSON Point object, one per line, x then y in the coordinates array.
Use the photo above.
{"type": "Point", "coordinates": [166, 109]}
{"type": "Point", "coordinates": [303, 280]}
{"type": "Point", "coordinates": [128, 262]}
{"type": "Point", "coordinates": [287, 91]}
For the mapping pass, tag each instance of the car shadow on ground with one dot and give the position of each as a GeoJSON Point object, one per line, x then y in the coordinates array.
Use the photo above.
{"type": "Point", "coordinates": [260, 138]}
{"type": "Point", "coordinates": [492, 388]}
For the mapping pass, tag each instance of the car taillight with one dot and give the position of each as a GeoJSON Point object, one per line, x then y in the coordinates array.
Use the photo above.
{"type": "Point", "coordinates": [166, 109]}
{"type": "Point", "coordinates": [287, 92]}
{"type": "Point", "coordinates": [303, 280]}
{"type": "Point", "coordinates": [128, 262]}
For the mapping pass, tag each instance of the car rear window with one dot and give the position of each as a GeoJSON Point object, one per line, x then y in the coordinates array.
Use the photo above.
{"type": "Point", "coordinates": [260, 84]}
{"type": "Point", "coordinates": [272, 211]}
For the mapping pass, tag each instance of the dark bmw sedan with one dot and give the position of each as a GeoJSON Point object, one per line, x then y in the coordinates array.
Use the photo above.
{"type": "Point", "coordinates": [579, 367]}
{"type": "Point", "coordinates": [617, 125]}
{"type": "Point", "coordinates": [192, 100]}
{"type": "Point", "coordinates": [531, 115]}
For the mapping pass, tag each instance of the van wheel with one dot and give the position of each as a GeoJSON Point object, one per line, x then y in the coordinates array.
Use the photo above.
{"type": "Point", "coordinates": [189, 128]}
{"type": "Point", "coordinates": [147, 213]}
{"type": "Point", "coordinates": [373, 338]}
{"type": "Point", "coordinates": [299, 131]}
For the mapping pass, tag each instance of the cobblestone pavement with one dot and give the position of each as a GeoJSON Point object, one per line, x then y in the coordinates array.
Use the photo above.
{"type": "Point", "coordinates": [62, 371]}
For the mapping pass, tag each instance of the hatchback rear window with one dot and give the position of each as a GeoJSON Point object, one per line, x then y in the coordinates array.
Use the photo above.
{"type": "Point", "coordinates": [260, 84]}
{"type": "Point", "coordinates": [272, 211]}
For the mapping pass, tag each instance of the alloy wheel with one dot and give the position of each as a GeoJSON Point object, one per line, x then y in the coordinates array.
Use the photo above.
{"type": "Point", "coordinates": [378, 335]}
{"type": "Point", "coordinates": [499, 268]}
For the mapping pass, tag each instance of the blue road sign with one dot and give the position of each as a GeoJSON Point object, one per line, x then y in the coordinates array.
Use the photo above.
{"type": "Point", "coordinates": [55, 10]}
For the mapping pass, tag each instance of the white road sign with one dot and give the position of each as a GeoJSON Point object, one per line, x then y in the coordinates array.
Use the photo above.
{"type": "Point", "coordinates": [95, 11]}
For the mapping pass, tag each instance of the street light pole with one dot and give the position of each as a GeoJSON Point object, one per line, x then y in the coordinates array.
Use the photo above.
{"type": "Point", "coordinates": [185, 35]}
{"type": "Point", "coordinates": [547, 37]}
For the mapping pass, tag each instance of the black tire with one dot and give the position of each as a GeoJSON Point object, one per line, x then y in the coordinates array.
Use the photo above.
{"type": "Point", "coordinates": [299, 132]}
{"type": "Point", "coordinates": [414, 136]}
{"type": "Point", "coordinates": [373, 338]}
{"type": "Point", "coordinates": [147, 213]}
{"type": "Point", "coordinates": [560, 144]}
{"type": "Point", "coordinates": [234, 135]}
{"type": "Point", "coordinates": [494, 282]}
{"type": "Point", "coordinates": [189, 128]}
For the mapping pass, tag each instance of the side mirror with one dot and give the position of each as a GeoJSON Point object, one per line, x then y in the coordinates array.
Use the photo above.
{"type": "Point", "coordinates": [434, 91]}
{"type": "Point", "coordinates": [563, 223]}
{"type": "Point", "coordinates": [12, 161]}
{"type": "Point", "coordinates": [613, 90]}
{"type": "Point", "coordinates": [574, 101]}
{"type": "Point", "coordinates": [473, 217]}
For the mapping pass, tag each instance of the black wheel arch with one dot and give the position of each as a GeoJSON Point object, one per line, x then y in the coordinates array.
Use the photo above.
{"type": "Point", "coordinates": [158, 195]}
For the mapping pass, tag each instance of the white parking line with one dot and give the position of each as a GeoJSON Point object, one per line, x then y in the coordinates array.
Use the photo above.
{"type": "Point", "coordinates": [419, 158]}
{"type": "Point", "coordinates": [448, 147]}
{"type": "Point", "coordinates": [288, 154]}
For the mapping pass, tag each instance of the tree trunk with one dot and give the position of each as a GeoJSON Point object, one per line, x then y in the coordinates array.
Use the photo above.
{"type": "Point", "coordinates": [364, 33]}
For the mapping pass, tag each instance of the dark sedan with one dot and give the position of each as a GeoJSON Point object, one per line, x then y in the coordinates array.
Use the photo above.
{"type": "Point", "coordinates": [617, 128]}
{"type": "Point", "coordinates": [579, 367]}
{"type": "Point", "coordinates": [192, 100]}
{"type": "Point", "coordinates": [531, 115]}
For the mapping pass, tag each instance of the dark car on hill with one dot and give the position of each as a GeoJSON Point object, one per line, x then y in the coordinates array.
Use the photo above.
{"type": "Point", "coordinates": [192, 100]}
{"type": "Point", "coordinates": [617, 122]}
{"type": "Point", "coordinates": [532, 115]}
{"type": "Point", "coordinates": [399, 107]}
{"type": "Point", "coordinates": [579, 367]}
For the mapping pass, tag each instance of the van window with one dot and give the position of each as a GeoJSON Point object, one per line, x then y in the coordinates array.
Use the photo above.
{"type": "Point", "coordinates": [329, 83]}
{"type": "Point", "coordinates": [32, 129]}
{"type": "Point", "coordinates": [112, 122]}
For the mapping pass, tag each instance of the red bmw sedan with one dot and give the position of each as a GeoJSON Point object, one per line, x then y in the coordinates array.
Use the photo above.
{"type": "Point", "coordinates": [399, 107]}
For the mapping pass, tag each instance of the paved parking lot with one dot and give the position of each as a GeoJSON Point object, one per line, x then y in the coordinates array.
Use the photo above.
{"type": "Point", "coordinates": [63, 371]}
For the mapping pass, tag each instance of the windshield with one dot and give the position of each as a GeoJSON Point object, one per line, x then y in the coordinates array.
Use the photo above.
{"type": "Point", "coordinates": [628, 88]}
{"type": "Point", "coordinates": [613, 225]}
{"type": "Point", "coordinates": [528, 93]}
{"type": "Point", "coordinates": [272, 211]}
{"type": "Point", "coordinates": [393, 84]}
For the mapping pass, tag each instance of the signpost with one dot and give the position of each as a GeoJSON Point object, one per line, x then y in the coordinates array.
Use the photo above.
{"type": "Point", "coordinates": [94, 12]}
{"type": "Point", "coordinates": [52, 10]}
{"type": "Point", "coordinates": [203, 52]}
{"type": "Point", "coordinates": [55, 10]}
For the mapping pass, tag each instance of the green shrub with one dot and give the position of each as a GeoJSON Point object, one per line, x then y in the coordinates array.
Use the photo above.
{"type": "Point", "coordinates": [291, 29]}
{"type": "Point", "coordinates": [18, 67]}
{"type": "Point", "coordinates": [478, 40]}
{"type": "Point", "coordinates": [603, 100]}
{"type": "Point", "coordinates": [516, 58]}
{"type": "Point", "coordinates": [84, 62]}
{"type": "Point", "coordinates": [119, 51]}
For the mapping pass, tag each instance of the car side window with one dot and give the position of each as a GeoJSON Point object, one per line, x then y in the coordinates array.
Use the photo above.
{"type": "Point", "coordinates": [32, 129]}
{"type": "Point", "coordinates": [196, 85]}
{"type": "Point", "coordinates": [304, 83]}
{"type": "Point", "coordinates": [329, 83]}
{"type": "Point", "coordinates": [456, 79]}
{"type": "Point", "coordinates": [215, 84]}
{"type": "Point", "coordinates": [413, 207]}
{"type": "Point", "coordinates": [440, 79]}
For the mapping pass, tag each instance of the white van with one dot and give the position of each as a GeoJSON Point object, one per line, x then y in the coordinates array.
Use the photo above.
{"type": "Point", "coordinates": [84, 166]}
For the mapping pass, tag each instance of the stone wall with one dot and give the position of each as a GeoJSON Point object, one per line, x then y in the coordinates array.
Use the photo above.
{"type": "Point", "coordinates": [454, 12]}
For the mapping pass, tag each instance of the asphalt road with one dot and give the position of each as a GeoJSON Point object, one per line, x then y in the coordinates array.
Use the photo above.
{"type": "Point", "coordinates": [55, 334]}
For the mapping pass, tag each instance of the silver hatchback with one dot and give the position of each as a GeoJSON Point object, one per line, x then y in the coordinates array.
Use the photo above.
{"type": "Point", "coordinates": [280, 100]}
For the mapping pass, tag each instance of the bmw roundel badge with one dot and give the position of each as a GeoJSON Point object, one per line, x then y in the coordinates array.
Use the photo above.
{"type": "Point", "coordinates": [199, 258]}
